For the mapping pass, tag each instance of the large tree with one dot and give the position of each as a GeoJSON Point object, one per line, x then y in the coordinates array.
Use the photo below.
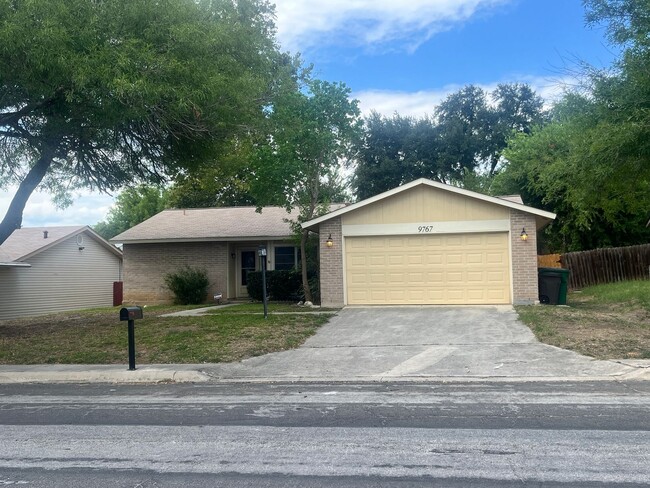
{"type": "Point", "coordinates": [591, 165]}
{"type": "Point", "coordinates": [99, 94]}
{"type": "Point", "coordinates": [313, 128]}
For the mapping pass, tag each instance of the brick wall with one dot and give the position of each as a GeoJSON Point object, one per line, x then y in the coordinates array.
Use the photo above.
{"type": "Point", "coordinates": [145, 266]}
{"type": "Point", "coordinates": [524, 258]}
{"type": "Point", "coordinates": [331, 264]}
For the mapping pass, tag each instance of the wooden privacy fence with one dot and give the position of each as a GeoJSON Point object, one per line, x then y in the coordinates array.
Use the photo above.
{"type": "Point", "coordinates": [606, 265]}
{"type": "Point", "coordinates": [549, 261]}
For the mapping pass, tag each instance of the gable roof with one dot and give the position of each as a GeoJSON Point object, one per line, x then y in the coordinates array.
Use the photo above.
{"type": "Point", "coordinates": [212, 224]}
{"type": "Point", "coordinates": [503, 201]}
{"type": "Point", "coordinates": [28, 241]}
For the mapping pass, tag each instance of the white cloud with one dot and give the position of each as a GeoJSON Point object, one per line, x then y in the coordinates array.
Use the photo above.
{"type": "Point", "coordinates": [422, 102]}
{"type": "Point", "coordinates": [303, 24]}
{"type": "Point", "coordinates": [88, 209]}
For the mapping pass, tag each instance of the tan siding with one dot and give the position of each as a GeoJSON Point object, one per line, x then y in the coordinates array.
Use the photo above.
{"type": "Point", "coordinates": [61, 278]}
{"type": "Point", "coordinates": [425, 204]}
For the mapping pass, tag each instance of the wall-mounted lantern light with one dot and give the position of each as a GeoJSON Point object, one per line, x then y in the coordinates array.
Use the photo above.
{"type": "Point", "coordinates": [232, 255]}
{"type": "Point", "coordinates": [329, 242]}
{"type": "Point", "coordinates": [523, 236]}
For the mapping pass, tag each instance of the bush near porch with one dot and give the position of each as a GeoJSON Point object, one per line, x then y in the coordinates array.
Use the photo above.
{"type": "Point", "coordinates": [282, 285]}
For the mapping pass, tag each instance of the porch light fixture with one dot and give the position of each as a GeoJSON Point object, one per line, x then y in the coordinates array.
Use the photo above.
{"type": "Point", "coordinates": [523, 236]}
{"type": "Point", "coordinates": [233, 255]}
{"type": "Point", "coordinates": [329, 242]}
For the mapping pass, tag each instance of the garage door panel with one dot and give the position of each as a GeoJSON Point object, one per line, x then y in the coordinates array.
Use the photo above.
{"type": "Point", "coordinates": [428, 269]}
{"type": "Point", "coordinates": [495, 258]}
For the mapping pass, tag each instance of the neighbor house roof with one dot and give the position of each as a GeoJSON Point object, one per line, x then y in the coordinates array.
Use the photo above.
{"type": "Point", "coordinates": [508, 201]}
{"type": "Point", "coordinates": [5, 261]}
{"type": "Point", "coordinates": [211, 224]}
{"type": "Point", "coordinates": [29, 241]}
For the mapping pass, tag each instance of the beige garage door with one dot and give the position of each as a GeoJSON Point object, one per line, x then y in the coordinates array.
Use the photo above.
{"type": "Point", "coordinates": [428, 269]}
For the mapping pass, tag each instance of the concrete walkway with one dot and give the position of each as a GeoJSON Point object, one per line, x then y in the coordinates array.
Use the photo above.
{"type": "Point", "coordinates": [380, 344]}
{"type": "Point", "coordinates": [194, 312]}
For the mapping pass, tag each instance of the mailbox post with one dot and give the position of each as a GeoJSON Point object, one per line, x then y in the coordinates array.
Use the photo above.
{"type": "Point", "coordinates": [261, 251]}
{"type": "Point", "coordinates": [131, 314]}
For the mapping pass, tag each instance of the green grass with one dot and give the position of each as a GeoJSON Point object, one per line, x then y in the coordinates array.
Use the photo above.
{"type": "Point", "coordinates": [635, 293]}
{"type": "Point", "coordinates": [98, 337]}
{"type": "Point", "coordinates": [609, 321]}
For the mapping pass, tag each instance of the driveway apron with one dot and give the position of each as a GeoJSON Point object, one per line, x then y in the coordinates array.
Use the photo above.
{"type": "Point", "coordinates": [410, 343]}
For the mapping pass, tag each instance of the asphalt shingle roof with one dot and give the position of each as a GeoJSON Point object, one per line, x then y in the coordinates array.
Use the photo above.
{"type": "Point", "coordinates": [212, 223]}
{"type": "Point", "coordinates": [28, 240]}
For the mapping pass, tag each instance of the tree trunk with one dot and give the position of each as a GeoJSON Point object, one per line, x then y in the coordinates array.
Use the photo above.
{"type": "Point", "coordinates": [303, 265]}
{"type": "Point", "coordinates": [14, 217]}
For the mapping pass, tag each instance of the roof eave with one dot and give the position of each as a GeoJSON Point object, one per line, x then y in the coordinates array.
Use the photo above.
{"type": "Point", "coordinates": [15, 265]}
{"type": "Point", "coordinates": [203, 239]}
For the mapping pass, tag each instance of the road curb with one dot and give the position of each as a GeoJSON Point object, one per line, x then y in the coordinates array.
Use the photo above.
{"type": "Point", "coordinates": [122, 377]}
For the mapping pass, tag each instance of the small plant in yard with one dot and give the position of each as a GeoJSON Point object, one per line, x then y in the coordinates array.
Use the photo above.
{"type": "Point", "coordinates": [189, 285]}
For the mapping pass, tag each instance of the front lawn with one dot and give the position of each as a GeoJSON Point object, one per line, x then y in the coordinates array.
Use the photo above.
{"type": "Point", "coordinates": [98, 337]}
{"type": "Point", "coordinates": [606, 321]}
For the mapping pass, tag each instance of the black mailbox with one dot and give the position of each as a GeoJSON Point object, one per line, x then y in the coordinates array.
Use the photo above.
{"type": "Point", "coordinates": [131, 313]}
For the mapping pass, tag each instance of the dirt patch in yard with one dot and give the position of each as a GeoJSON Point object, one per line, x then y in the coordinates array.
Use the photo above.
{"type": "Point", "coordinates": [592, 326]}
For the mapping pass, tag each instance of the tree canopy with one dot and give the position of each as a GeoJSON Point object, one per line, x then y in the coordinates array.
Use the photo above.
{"type": "Point", "coordinates": [313, 129]}
{"type": "Point", "coordinates": [591, 165]}
{"type": "Point", "coordinates": [465, 135]}
{"type": "Point", "coordinates": [102, 94]}
{"type": "Point", "coordinates": [132, 206]}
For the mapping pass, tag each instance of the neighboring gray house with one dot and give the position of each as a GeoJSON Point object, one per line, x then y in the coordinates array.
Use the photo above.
{"type": "Point", "coordinates": [51, 269]}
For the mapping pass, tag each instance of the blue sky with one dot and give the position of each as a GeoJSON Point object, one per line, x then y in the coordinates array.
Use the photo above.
{"type": "Point", "coordinates": [407, 55]}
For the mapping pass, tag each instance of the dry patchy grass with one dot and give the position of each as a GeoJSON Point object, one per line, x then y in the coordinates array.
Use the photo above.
{"type": "Point", "coordinates": [605, 322]}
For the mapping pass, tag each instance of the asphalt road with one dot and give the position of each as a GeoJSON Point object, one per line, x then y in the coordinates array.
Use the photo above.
{"type": "Point", "coordinates": [326, 435]}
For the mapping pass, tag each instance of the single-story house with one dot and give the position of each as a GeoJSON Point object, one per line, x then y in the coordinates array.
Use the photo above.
{"type": "Point", "coordinates": [223, 241]}
{"type": "Point", "coordinates": [421, 243]}
{"type": "Point", "coordinates": [429, 243]}
{"type": "Point", "coordinates": [52, 269]}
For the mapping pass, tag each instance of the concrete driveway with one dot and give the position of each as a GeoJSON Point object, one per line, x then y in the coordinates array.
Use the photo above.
{"type": "Point", "coordinates": [393, 343]}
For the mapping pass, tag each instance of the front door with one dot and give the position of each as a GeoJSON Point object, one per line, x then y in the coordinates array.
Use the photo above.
{"type": "Point", "coordinates": [247, 263]}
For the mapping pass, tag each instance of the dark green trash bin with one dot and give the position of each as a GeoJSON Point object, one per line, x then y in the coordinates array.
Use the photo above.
{"type": "Point", "coordinates": [553, 285]}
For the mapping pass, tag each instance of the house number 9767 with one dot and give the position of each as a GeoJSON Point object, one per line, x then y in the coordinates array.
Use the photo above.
{"type": "Point", "coordinates": [425, 228]}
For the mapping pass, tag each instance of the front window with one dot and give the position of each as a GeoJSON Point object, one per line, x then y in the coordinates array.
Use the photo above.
{"type": "Point", "coordinates": [285, 257]}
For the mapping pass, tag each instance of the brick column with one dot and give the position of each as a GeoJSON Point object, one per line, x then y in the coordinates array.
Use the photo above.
{"type": "Point", "coordinates": [331, 264]}
{"type": "Point", "coordinates": [524, 258]}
